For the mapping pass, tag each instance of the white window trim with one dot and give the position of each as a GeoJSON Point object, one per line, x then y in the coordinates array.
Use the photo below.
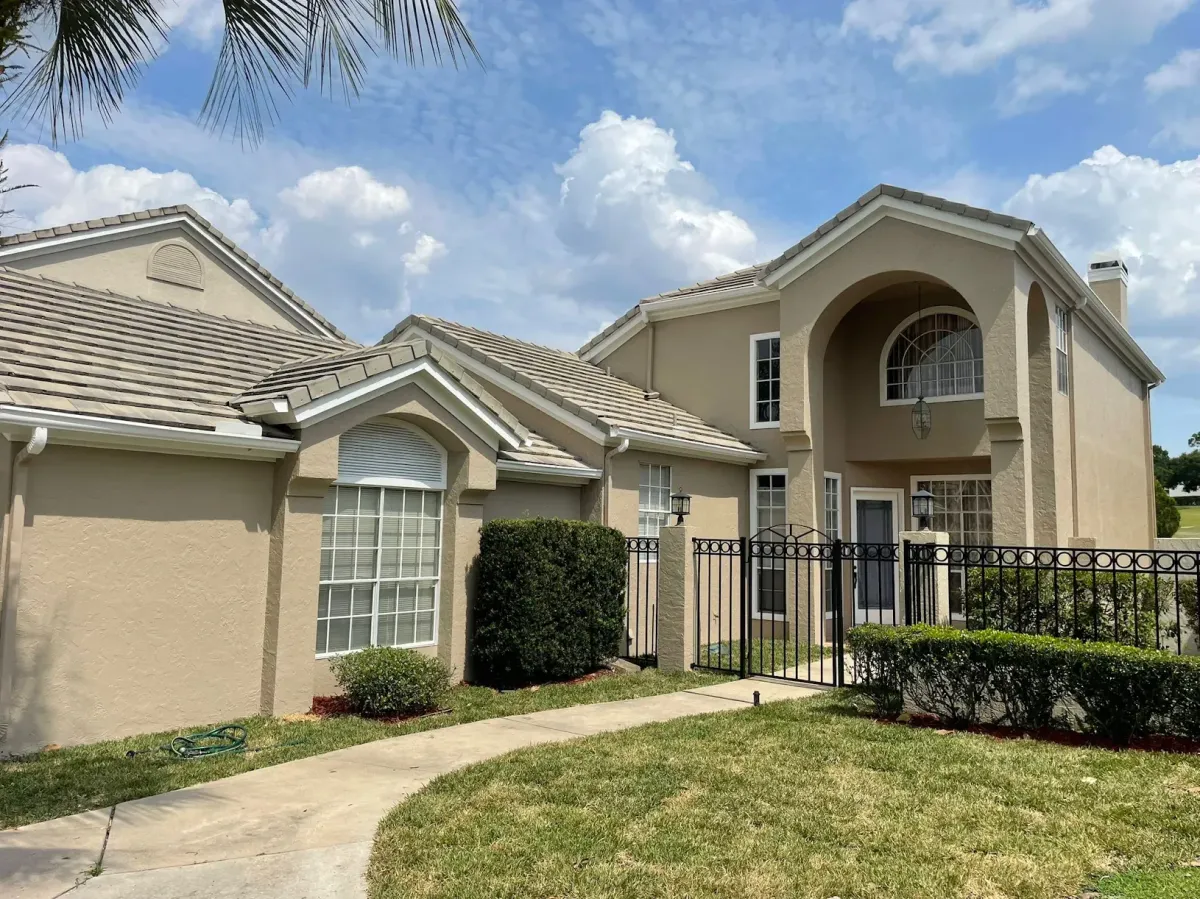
{"type": "Point", "coordinates": [896, 494]}
{"type": "Point", "coordinates": [896, 332]}
{"type": "Point", "coordinates": [912, 488]}
{"type": "Point", "coordinates": [670, 490]}
{"type": "Point", "coordinates": [835, 476]}
{"type": "Point", "coordinates": [754, 339]}
{"type": "Point", "coordinates": [754, 473]}
{"type": "Point", "coordinates": [1062, 314]}
{"type": "Point", "coordinates": [437, 586]}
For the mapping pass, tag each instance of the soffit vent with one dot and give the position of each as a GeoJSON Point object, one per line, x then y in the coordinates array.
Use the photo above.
{"type": "Point", "coordinates": [391, 455]}
{"type": "Point", "coordinates": [177, 264]}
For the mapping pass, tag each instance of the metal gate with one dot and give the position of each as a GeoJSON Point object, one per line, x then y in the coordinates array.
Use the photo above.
{"type": "Point", "coordinates": [641, 601]}
{"type": "Point", "coordinates": [776, 605]}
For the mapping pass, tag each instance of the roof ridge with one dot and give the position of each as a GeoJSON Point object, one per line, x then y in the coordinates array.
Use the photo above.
{"type": "Point", "coordinates": [539, 346]}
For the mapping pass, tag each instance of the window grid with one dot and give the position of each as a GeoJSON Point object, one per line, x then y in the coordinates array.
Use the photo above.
{"type": "Point", "coordinates": [1062, 351]}
{"type": "Point", "coordinates": [940, 354]}
{"type": "Point", "coordinates": [962, 507]}
{"type": "Point", "coordinates": [770, 504]}
{"type": "Point", "coordinates": [833, 530]}
{"type": "Point", "coordinates": [654, 498]}
{"type": "Point", "coordinates": [766, 380]}
{"type": "Point", "coordinates": [380, 555]}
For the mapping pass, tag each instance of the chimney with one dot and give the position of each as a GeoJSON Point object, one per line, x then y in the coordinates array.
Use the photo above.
{"type": "Point", "coordinates": [1109, 277]}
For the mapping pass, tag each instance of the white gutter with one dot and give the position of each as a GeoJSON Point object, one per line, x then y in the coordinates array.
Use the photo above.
{"type": "Point", "coordinates": [14, 529]}
{"type": "Point", "coordinates": [90, 430]}
{"type": "Point", "coordinates": [550, 471]}
{"type": "Point", "coordinates": [691, 448]}
{"type": "Point", "coordinates": [606, 487]}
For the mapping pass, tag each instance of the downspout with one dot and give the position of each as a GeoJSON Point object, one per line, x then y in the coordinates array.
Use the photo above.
{"type": "Point", "coordinates": [607, 486]}
{"type": "Point", "coordinates": [14, 528]}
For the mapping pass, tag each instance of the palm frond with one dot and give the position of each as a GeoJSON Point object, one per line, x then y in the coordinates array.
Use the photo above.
{"type": "Point", "coordinates": [412, 28]}
{"type": "Point", "coordinates": [96, 54]}
{"type": "Point", "coordinates": [337, 37]}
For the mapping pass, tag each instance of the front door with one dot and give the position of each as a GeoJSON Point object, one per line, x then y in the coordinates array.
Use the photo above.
{"type": "Point", "coordinates": [875, 578]}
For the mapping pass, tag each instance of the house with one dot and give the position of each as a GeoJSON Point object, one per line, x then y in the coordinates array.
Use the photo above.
{"type": "Point", "coordinates": [212, 490]}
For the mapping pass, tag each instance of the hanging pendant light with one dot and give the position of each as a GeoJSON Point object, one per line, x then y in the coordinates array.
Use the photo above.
{"type": "Point", "coordinates": [922, 415]}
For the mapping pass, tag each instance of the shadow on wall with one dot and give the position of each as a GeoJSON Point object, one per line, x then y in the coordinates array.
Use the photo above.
{"type": "Point", "coordinates": [28, 728]}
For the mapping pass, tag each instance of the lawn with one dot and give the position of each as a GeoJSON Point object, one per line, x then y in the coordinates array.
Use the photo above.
{"type": "Point", "coordinates": [1189, 521]}
{"type": "Point", "coordinates": [66, 781]}
{"type": "Point", "coordinates": [772, 657]}
{"type": "Point", "coordinates": [1180, 884]}
{"type": "Point", "coordinates": [802, 799]}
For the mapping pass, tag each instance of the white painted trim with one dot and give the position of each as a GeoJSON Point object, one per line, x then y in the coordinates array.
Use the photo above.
{"type": "Point", "coordinates": [626, 332]}
{"type": "Point", "coordinates": [754, 339]}
{"type": "Point", "coordinates": [887, 348]}
{"type": "Point", "coordinates": [896, 495]}
{"type": "Point", "coordinates": [405, 483]}
{"type": "Point", "coordinates": [1112, 273]}
{"type": "Point", "coordinates": [691, 449]}
{"type": "Point", "coordinates": [753, 530]}
{"type": "Point", "coordinates": [535, 471]}
{"type": "Point", "coordinates": [841, 514]}
{"type": "Point", "coordinates": [88, 430]}
{"type": "Point", "coordinates": [277, 297]}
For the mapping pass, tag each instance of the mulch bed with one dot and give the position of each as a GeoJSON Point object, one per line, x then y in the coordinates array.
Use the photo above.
{"type": "Point", "coordinates": [339, 707]}
{"type": "Point", "coordinates": [1156, 743]}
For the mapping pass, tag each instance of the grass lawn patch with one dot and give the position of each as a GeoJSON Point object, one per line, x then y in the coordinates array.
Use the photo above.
{"type": "Point", "coordinates": [778, 657]}
{"type": "Point", "coordinates": [803, 799]}
{"type": "Point", "coordinates": [65, 781]}
{"type": "Point", "coordinates": [1183, 883]}
{"type": "Point", "coordinates": [1189, 521]}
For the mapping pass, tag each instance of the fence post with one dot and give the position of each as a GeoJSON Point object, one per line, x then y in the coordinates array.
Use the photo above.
{"type": "Point", "coordinates": [922, 578]}
{"type": "Point", "coordinates": [837, 572]}
{"type": "Point", "coordinates": [677, 603]}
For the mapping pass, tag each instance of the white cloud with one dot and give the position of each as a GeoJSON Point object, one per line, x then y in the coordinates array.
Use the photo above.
{"type": "Point", "coordinates": [1144, 208]}
{"type": "Point", "coordinates": [422, 255]}
{"type": "Point", "coordinates": [968, 36]}
{"type": "Point", "coordinates": [1035, 83]}
{"type": "Point", "coordinates": [201, 20]}
{"type": "Point", "coordinates": [63, 194]}
{"type": "Point", "coordinates": [1182, 71]}
{"type": "Point", "coordinates": [348, 190]}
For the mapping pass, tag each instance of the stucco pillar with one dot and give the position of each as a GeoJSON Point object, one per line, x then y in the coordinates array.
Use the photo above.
{"type": "Point", "coordinates": [676, 600]}
{"type": "Point", "coordinates": [457, 598]}
{"type": "Point", "coordinates": [932, 580]}
{"type": "Point", "coordinates": [1012, 494]}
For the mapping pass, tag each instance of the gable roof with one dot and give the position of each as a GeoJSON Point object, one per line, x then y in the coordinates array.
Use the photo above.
{"type": "Point", "coordinates": [160, 217]}
{"type": "Point", "coordinates": [587, 394]}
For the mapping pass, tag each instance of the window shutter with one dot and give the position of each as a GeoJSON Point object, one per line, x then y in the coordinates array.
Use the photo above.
{"type": "Point", "coordinates": [392, 455]}
{"type": "Point", "coordinates": [176, 263]}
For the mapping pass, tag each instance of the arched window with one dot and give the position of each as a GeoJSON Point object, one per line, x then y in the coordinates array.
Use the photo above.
{"type": "Point", "coordinates": [936, 354]}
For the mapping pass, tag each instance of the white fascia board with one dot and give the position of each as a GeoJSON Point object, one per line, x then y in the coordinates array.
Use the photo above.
{"type": "Point", "coordinates": [891, 207]}
{"type": "Point", "coordinates": [433, 380]}
{"type": "Point", "coordinates": [86, 430]}
{"type": "Point", "coordinates": [45, 245]}
{"type": "Point", "coordinates": [617, 338]}
{"type": "Point", "coordinates": [693, 449]}
{"type": "Point", "coordinates": [512, 470]}
{"type": "Point", "coordinates": [497, 379]}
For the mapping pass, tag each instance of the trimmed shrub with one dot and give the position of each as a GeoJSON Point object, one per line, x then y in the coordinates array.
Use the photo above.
{"type": "Point", "coordinates": [1122, 692]}
{"type": "Point", "coordinates": [879, 665]}
{"type": "Point", "coordinates": [947, 676]}
{"type": "Point", "coordinates": [1166, 511]}
{"type": "Point", "coordinates": [385, 681]}
{"type": "Point", "coordinates": [1028, 677]}
{"type": "Point", "coordinates": [551, 600]}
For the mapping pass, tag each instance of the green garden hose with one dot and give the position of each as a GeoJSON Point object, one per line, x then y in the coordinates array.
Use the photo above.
{"type": "Point", "coordinates": [218, 741]}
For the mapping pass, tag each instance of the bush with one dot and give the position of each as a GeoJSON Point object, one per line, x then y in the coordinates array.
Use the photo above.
{"type": "Point", "coordinates": [1166, 511]}
{"type": "Point", "coordinates": [551, 600]}
{"type": "Point", "coordinates": [964, 677]}
{"type": "Point", "coordinates": [384, 681]}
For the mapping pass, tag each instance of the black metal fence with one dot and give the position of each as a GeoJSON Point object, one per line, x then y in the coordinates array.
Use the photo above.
{"type": "Point", "coordinates": [1144, 598]}
{"type": "Point", "coordinates": [641, 600]}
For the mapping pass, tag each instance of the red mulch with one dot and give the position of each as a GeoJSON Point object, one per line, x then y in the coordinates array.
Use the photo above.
{"type": "Point", "coordinates": [1156, 743]}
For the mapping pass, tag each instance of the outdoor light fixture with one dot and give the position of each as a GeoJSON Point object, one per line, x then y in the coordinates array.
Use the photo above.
{"type": "Point", "coordinates": [681, 505]}
{"type": "Point", "coordinates": [922, 508]}
{"type": "Point", "coordinates": [922, 418]}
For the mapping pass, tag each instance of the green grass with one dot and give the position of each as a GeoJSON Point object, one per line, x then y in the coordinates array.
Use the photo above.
{"type": "Point", "coordinates": [66, 781]}
{"type": "Point", "coordinates": [1183, 883]}
{"type": "Point", "coordinates": [771, 657]}
{"type": "Point", "coordinates": [1189, 521]}
{"type": "Point", "coordinates": [800, 799]}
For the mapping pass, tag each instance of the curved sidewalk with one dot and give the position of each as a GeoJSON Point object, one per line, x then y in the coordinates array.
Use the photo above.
{"type": "Point", "coordinates": [303, 829]}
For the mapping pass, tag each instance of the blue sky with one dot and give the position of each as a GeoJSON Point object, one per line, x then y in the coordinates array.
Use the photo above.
{"type": "Point", "coordinates": [615, 149]}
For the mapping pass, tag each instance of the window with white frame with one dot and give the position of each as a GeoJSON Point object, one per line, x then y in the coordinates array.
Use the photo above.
{"type": "Point", "coordinates": [962, 507]}
{"type": "Point", "coordinates": [654, 498]}
{"type": "Point", "coordinates": [833, 529]}
{"type": "Point", "coordinates": [770, 511]}
{"type": "Point", "coordinates": [1062, 348]}
{"type": "Point", "coordinates": [380, 561]}
{"type": "Point", "coordinates": [765, 379]}
{"type": "Point", "coordinates": [938, 354]}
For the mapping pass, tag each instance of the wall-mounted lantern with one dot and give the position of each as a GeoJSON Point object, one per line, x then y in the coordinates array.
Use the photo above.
{"type": "Point", "coordinates": [681, 506]}
{"type": "Point", "coordinates": [922, 419]}
{"type": "Point", "coordinates": [922, 508]}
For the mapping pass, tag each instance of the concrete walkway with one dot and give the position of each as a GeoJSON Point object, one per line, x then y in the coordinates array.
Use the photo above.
{"type": "Point", "coordinates": [303, 829]}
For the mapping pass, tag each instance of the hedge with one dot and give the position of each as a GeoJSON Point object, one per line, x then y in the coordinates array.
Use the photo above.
{"type": "Point", "coordinates": [996, 677]}
{"type": "Point", "coordinates": [551, 600]}
{"type": "Point", "coordinates": [382, 681]}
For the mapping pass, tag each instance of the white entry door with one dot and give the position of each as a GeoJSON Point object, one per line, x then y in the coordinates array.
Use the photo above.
{"type": "Point", "coordinates": [875, 520]}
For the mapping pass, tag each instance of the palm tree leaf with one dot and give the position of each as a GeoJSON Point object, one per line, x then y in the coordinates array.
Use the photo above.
{"type": "Point", "coordinates": [412, 28]}
{"type": "Point", "coordinates": [337, 36]}
{"type": "Point", "coordinates": [96, 54]}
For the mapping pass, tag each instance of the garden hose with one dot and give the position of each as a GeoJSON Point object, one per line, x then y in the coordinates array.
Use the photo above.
{"type": "Point", "coordinates": [223, 740]}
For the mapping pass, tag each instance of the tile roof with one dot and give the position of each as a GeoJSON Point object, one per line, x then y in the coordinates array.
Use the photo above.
{"type": "Point", "coordinates": [143, 215]}
{"type": "Point", "coordinates": [579, 387]}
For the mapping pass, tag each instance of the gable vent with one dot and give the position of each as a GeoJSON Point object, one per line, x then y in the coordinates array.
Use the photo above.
{"type": "Point", "coordinates": [391, 455]}
{"type": "Point", "coordinates": [177, 264]}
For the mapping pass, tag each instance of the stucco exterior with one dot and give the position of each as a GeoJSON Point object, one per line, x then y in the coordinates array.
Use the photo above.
{"type": "Point", "coordinates": [523, 499]}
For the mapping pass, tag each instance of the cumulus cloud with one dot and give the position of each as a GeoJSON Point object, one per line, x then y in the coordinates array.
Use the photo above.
{"type": "Point", "coordinates": [426, 249]}
{"type": "Point", "coordinates": [1036, 82]}
{"type": "Point", "coordinates": [1182, 71]}
{"type": "Point", "coordinates": [350, 191]}
{"type": "Point", "coordinates": [62, 194]}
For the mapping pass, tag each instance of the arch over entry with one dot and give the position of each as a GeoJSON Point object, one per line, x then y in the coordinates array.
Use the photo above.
{"type": "Point", "coordinates": [936, 354]}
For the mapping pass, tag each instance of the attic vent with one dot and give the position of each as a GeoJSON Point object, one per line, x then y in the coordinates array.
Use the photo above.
{"type": "Point", "coordinates": [391, 455]}
{"type": "Point", "coordinates": [177, 264]}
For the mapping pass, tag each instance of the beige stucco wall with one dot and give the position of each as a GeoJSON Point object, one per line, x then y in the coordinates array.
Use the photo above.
{"type": "Point", "coordinates": [719, 491]}
{"type": "Point", "coordinates": [524, 499]}
{"type": "Point", "coordinates": [141, 594]}
{"type": "Point", "coordinates": [1116, 505]}
{"type": "Point", "coordinates": [121, 265]}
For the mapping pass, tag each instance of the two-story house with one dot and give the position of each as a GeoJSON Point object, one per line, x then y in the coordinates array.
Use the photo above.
{"type": "Point", "coordinates": [195, 462]}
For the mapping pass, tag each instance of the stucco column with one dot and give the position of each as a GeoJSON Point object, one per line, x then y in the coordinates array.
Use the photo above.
{"type": "Point", "coordinates": [457, 598]}
{"type": "Point", "coordinates": [932, 580]}
{"type": "Point", "coordinates": [676, 600]}
{"type": "Point", "coordinates": [1012, 483]}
